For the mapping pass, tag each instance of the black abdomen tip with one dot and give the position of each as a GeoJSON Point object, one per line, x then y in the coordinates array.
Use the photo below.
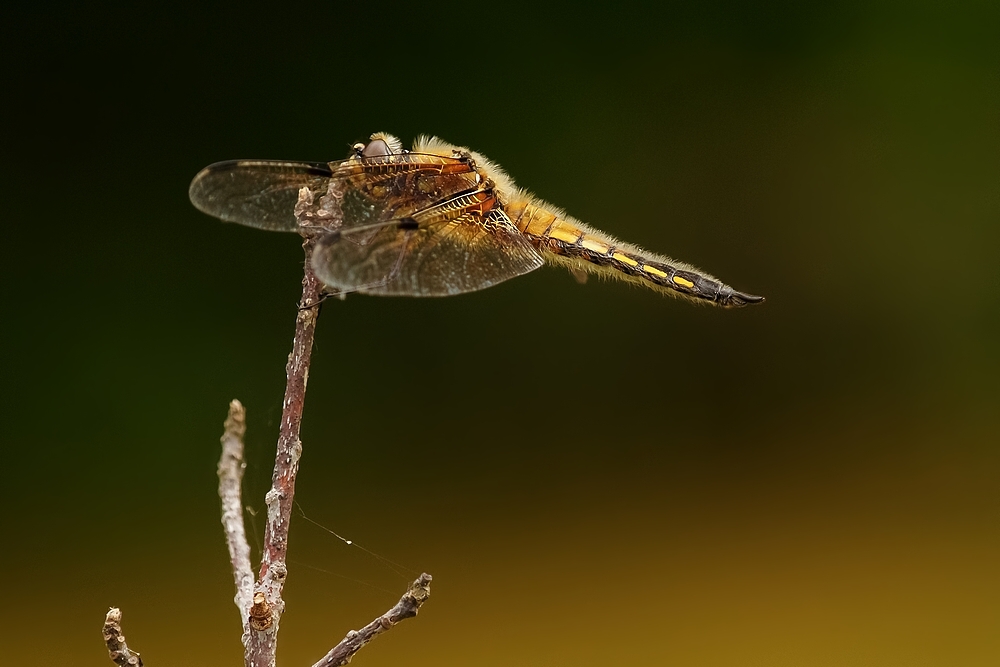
{"type": "Point", "coordinates": [739, 299]}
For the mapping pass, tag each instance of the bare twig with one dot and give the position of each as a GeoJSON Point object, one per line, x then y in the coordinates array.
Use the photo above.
{"type": "Point", "coordinates": [261, 643]}
{"type": "Point", "coordinates": [261, 604]}
{"type": "Point", "coordinates": [407, 607]}
{"type": "Point", "coordinates": [231, 467]}
{"type": "Point", "coordinates": [118, 650]}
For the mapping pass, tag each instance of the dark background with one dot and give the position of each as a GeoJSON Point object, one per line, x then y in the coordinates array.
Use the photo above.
{"type": "Point", "coordinates": [594, 474]}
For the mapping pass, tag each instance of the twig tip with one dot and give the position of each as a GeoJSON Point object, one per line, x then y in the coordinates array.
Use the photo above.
{"type": "Point", "coordinates": [114, 639]}
{"type": "Point", "coordinates": [236, 420]}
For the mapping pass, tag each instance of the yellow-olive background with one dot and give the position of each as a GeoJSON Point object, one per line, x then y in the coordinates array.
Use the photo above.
{"type": "Point", "coordinates": [593, 474]}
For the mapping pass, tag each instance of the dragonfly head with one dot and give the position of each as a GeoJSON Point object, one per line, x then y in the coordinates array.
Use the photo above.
{"type": "Point", "coordinates": [376, 148]}
{"type": "Point", "coordinates": [380, 144]}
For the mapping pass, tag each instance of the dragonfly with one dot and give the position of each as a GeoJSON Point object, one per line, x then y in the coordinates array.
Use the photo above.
{"type": "Point", "coordinates": [435, 220]}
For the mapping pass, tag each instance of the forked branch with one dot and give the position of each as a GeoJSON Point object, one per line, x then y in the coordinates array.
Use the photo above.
{"type": "Point", "coordinates": [260, 603]}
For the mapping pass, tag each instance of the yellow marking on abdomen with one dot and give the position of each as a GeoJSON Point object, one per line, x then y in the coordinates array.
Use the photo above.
{"type": "Point", "coordinates": [625, 259]}
{"type": "Point", "coordinates": [529, 219]}
{"type": "Point", "coordinates": [538, 222]}
{"type": "Point", "coordinates": [654, 272]}
{"type": "Point", "coordinates": [565, 233]}
{"type": "Point", "coordinates": [576, 246]}
{"type": "Point", "coordinates": [593, 245]}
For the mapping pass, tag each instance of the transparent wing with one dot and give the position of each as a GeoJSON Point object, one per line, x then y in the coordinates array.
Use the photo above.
{"type": "Point", "coordinates": [405, 224]}
{"type": "Point", "coordinates": [263, 193]}
{"type": "Point", "coordinates": [465, 253]}
{"type": "Point", "coordinates": [257, 193]}
{"type": "Point", "coordinates": [385, 189]}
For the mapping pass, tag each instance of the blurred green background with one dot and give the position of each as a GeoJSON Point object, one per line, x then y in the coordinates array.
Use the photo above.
{"type": "Point", "coordinates": [593, 474]}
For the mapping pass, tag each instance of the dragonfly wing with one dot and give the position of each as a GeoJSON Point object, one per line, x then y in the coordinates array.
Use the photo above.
{"type": "Point", "coordinates": [257, 193]}
{"type": "Point", "coordinates": [263, 193]}
{"type": "Point", "coordinates": [376, 192]}
{"type": "Point", "coordinates": [465, 254]}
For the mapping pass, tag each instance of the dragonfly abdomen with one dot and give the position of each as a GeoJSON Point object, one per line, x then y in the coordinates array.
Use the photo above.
{"type": "Point", "coordinates": [567, 242]}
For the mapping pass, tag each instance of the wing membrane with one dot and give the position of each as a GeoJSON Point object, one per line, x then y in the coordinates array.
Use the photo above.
{"type": "Point", "coordinates": [401, 224]}
{"type": "Point", "coordinates": [386, 189]}
{"type": "Point", "coordinates": [263, 193]}
{"type": "Point", "coordinates": [257, 193]}
{"type": "Point", "coordinates": [466, 253]}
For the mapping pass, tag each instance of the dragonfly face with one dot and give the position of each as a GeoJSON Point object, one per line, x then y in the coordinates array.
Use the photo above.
{"type": "Point", "coordinates": [434, 221]}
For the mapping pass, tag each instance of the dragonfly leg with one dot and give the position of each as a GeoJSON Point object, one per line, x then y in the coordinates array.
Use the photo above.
{"type": "Point", "coordinates": [323, 296]}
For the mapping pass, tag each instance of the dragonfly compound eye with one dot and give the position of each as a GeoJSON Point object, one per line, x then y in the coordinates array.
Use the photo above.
{"type": "Point", "coordinates": [376, 148]}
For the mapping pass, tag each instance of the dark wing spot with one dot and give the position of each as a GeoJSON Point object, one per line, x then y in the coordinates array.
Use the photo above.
{"type": "Point", "coordinates": [319, 170]}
